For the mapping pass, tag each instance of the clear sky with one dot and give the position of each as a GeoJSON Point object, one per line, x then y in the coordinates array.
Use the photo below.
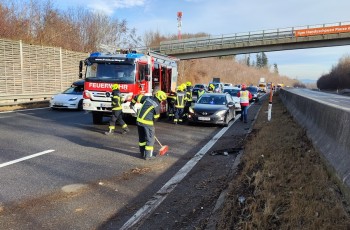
{"type": "Point", "coordinates": [218, 17]}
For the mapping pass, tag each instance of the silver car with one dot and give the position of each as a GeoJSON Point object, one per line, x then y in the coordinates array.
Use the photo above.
{"type": "Point", "coordinates": [213, 108]}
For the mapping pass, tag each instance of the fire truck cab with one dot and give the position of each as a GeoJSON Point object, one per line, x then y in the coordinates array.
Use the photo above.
{"type": "Point", "coordinates": [136, 73]}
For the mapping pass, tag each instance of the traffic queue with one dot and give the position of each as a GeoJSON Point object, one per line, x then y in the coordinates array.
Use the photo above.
{"type": "Point", "coordinates": [179, 109]}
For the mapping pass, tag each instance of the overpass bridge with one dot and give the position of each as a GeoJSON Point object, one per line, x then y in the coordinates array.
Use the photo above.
{"type": "Point", "coordinates": [301, 37]}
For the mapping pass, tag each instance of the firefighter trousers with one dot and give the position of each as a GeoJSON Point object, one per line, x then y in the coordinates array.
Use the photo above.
{"type": "Point", "coordinates": [178, 115]}
{"type": "Point", "coordinates": [117, 118]}
{"type": "Point", "coordinates": [146, 140]}
{"type": "Point", "coordinates": [171, 111]}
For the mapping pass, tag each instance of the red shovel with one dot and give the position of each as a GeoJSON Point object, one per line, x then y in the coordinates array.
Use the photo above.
{"type": "Point", "coordinates": [163, 149]}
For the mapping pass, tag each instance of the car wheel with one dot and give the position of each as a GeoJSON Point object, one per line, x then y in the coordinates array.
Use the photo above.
{"type": "Point", "coordinates": [80, 105]}
{"type": "Point", "coordinates": [226, 121]}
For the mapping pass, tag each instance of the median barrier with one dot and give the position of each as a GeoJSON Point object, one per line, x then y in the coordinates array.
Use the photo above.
{"type": "Point", "coordinates": [327, 126]}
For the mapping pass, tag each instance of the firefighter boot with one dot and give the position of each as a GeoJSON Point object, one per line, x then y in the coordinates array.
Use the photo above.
{"type": "Point", "coordinates": [110, 132]}
{"type": "Point", "coordinates": [125, 130]}
{"type": "Point", "coordinates": [142, 151]}
{"type": "Point", "coordinates": [149, 155]}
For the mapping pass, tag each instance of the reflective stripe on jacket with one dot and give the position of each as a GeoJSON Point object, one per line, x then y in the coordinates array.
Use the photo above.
{"type": "Point", "coordinates": [200, 93]}
{"type": "Point", "coordinates": [149, 111]}
{"type": "Point", "coordinates": [180, 100]}
{"type": "Point", "coordinates": [116, 100]}
{"type": "Point", "coordinates": [244, 97]}
{"type": "Point", "coordinates": [136, 99]}
{"type": "Point", "coordinates": [189, 94]}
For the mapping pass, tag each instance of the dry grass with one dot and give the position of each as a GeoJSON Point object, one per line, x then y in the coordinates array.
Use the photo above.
{"type": "Point", "coordinates": [283, 181]}
{"type": "Point", "coordinates": [229, 70]}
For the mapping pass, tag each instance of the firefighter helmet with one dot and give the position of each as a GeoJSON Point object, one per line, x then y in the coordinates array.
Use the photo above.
{"type": "Point", "coordinates": [115, 86]}
{"type": "Point", "coordinates": [161, 95]}
{"type": "Point", "coordinates": [188, 83]}
{"type": "Point", "coordinates": [183, 86]}
{"type": "Point", "coordinates": [211, 87]}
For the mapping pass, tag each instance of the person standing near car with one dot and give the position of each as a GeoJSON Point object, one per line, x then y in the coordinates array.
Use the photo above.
{"type": "Point", "coordinates": [180, 103]}
{"type": "Point", "coordinates": [187, 88]}
{"type": "Point", "coordinates": [211, 88]}
{"type": "Point", "coordinates": [117, 114]}
{"type": "Point", "coordinates": [150, 111]}
{"type": "Point", "coordinates": [200, 92]}
{"type": "Point", "coordinates": [244, 96]}
{"type": "Point", "coordinates": [171, 98]}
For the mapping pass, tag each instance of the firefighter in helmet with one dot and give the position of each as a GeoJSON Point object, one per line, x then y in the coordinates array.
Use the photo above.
{"type": "Point", "coordinates": [171, 105]}
{"type": "Point", "coordinates": [180, 103]}
{"type": "Point", "coordinates": [117, 114]}
{"type": "Point", "coordinates": [189, 99]}
{"type": "Point", "coordinates": [149, 112]}
{"type": "Point", "coordinates": [211, 88]}
{"type": "Point", "coordinates": [189, 92]}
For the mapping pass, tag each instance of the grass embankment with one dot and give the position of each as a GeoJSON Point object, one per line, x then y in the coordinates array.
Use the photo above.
{"type": "Point", "coordinates": [282, 182]}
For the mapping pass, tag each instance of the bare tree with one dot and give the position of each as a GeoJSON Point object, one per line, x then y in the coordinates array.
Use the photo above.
{"type": "Point", "coordinates": [75, 29]}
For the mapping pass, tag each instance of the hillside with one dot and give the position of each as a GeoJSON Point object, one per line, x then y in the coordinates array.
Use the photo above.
{"type": "Point", "coordinates": [228, 69]}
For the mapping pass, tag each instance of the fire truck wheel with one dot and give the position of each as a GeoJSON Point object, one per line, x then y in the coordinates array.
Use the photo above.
{"type": "Point", "coordinates": [97, 118]}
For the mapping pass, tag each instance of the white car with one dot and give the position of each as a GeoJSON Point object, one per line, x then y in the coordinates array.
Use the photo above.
{"type": "Point", "coordinates": [71, 98]}
{"type": "Point", "coordinates": [233, 92]}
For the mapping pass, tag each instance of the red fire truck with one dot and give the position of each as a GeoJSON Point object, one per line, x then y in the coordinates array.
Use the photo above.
{"type": "Point", "coordinates": [136, 73]}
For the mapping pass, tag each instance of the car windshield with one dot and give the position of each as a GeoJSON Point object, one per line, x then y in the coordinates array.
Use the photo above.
{"type": "Point", "coordinates": [119, 73]}
{"type": "Point", "coordinates": [212, 99]}
{"type": "Point", "coordinates": [216, 85]}
{"type": "Point", "coordinates": [252, 90]}
{"type": "Point", "coordinates": [198, 86]}
{"type": "Point", "coordinates": [232, 92]}
{"type": "Point", "coordinates": [74, 90]}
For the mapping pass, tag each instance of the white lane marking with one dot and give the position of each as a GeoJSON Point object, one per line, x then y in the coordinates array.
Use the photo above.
{"type": "Point", "coordinates": [23, 110]}
{"type": "Point", "coordinates": [5, 117]}
{"type": "Point", "coordinates": [332, 100]}
{"type": "Point", "coordinates": [25, 158]}
{"type": "Point", "coordinates": [158, 198]}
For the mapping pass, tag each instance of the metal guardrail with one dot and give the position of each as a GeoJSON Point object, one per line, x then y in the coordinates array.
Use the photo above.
{"type": "Point", "coordinates": [237, 38]}
{"type": "Point", "coordinates": [24, 98]}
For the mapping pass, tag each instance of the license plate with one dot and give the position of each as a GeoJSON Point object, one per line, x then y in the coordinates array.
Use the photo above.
{"type": "Point", "coordinates": [59, 104]}
{"type": "Point", "coordinates": [204, 118]}
{"type": "Point", "coordinates": [105, 105]}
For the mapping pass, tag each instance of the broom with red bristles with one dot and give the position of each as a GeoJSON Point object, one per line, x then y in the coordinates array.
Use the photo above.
{"type": "Point", "coordinates": [163, 149]}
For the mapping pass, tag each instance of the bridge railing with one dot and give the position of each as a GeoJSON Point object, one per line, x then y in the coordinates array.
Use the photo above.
{"type": "Point", "coordinates": [237, 38]}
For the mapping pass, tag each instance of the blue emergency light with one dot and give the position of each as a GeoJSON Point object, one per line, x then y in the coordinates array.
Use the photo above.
{"type": "Point", "coordinates": [133, 55]}
{"type": "Point", "coordinates": [95, 54]}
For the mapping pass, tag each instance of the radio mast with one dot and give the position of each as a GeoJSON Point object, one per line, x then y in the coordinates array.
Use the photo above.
{"type": "Point", "coordinates": [179, 23]}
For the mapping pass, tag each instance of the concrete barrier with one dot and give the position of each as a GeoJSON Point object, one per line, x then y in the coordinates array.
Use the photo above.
{"type": "Point", "coordinates": [327, 126]}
